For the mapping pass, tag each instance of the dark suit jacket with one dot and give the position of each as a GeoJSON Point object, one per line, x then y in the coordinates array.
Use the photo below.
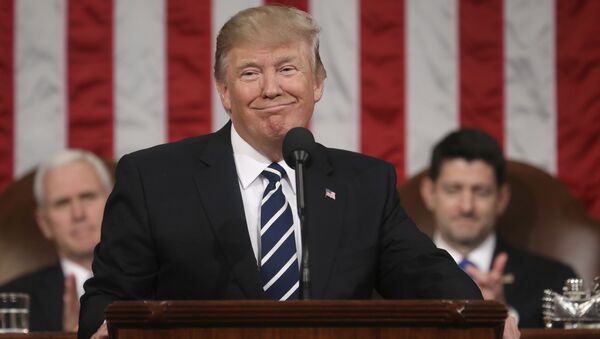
{"type": "Point", "coordinates": [45, 288]}
{"type": "Point", "coordinates": [175, 228]}
{"type": "Point", "coordinates": [532, 275]}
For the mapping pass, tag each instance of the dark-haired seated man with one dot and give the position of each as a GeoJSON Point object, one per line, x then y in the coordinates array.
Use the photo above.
{"type": "Point", "coordinates": [466, 191]}
{"type": "Point", "coordinates": [70, 191]}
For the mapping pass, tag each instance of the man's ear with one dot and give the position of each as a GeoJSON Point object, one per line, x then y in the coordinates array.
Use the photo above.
{"type": "Point", "coordinates": [503, 198]}
{"type": "Point", "coordinates": [318, 90]}
{"type": "Point", "coordinates": [224, 95]}
{"type": "Point", "coordinates": [426, 188]}
{"type": "Point", "coordinates": [40, 218]}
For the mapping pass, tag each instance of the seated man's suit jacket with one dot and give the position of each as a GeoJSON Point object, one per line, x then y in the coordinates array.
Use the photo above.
{"type": "Point", "coordinates": [175, 228]}
{"type": "Point", "coordinates": [45, 288]}
{"type": "Point", "coordinates": [531, 274]}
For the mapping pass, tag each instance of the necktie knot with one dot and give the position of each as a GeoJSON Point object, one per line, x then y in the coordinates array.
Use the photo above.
{"type": "Point", "coordinates": [274, 172]}
{"type": "Point", "coordinates": [466, 262]}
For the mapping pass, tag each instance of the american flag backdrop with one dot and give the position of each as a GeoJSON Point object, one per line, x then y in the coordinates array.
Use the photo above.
{"type": "Point", "coordinates": [114, 76]}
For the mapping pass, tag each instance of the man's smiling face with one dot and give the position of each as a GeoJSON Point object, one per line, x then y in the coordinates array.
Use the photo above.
{"type": "Point", "coordinates": [269, 90]}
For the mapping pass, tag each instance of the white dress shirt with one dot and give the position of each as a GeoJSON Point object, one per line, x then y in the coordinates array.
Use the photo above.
{"type": "Point", "coordinates": [249, 164]}
{"type": "Point", "coordinates": [81, 273]}
{"type": "Point", "coordinates": [481, 256]}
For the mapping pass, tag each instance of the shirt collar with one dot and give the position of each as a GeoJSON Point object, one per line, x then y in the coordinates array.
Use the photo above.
{"type": "Point", "coordinates": [481, 256]}
{"type": "Point", "coordinates": [250, 163]}
{"type": "Point", "coordinates": [81, 273]}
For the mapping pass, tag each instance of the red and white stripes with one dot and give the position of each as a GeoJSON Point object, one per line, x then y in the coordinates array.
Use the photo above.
{"type": "Point", "coordinates": [119, 75]}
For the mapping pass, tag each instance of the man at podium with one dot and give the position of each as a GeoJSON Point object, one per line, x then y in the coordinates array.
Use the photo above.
{"type": "Point", "coordinates": [214, 217]}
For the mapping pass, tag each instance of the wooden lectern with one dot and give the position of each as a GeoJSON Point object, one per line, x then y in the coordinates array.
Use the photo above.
{"type": "Point", "coordinates": [306, 319]}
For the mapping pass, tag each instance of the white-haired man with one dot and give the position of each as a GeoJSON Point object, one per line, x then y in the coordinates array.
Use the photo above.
{"type": "Point", "coordinates": [70, 191]}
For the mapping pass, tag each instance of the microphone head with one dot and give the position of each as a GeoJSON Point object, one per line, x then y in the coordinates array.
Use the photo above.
{"type": "Point", "coordinates": [297, 145]}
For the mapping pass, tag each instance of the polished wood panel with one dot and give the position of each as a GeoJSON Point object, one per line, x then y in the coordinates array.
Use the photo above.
{"type": "Point", "coordinates": [559, 334]}
{"type": "Point", "coordinates": [307, 332]}
{"type": "Point", "coordinates": [40, 335]}
{"type": "Point", "coordinates": [368, 333]}
{"type": "Point", "coordinates": [306, 319]}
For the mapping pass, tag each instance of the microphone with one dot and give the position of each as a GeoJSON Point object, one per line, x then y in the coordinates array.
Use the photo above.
{"type": "Point", "coordinates": [297, 145]}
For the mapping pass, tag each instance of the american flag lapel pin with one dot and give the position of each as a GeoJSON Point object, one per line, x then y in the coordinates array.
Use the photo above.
{"type": "Point", "coordinates": [329, 194]}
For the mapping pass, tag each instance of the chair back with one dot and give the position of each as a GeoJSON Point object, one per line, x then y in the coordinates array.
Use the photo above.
{"type": "Point", "coordinates": [23, 248]}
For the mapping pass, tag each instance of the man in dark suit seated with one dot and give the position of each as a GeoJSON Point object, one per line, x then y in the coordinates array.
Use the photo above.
{"type": "Point", "coordinates": [70, 191]}
{"type": "Point", "coordinates": [214, 217]}
{"type": "Point", "coordinates": [467, 191]}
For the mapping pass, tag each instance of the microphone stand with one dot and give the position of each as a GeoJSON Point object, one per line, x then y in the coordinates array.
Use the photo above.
{"type": "Point", "coordinates": [300, 157]}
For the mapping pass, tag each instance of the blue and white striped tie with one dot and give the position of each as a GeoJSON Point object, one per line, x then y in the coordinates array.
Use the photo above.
{"type": "Point", "coordinates": [279, 258]}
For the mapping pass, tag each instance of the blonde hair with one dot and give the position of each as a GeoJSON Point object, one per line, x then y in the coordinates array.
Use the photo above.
{"type": "Point", "coordinates": [271, 25]}
{"type": "Point", "coordinates": [67, 157]}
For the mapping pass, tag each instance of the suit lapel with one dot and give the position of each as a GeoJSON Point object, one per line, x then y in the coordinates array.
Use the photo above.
{"type": "Point", "coordinates": [53, 296]}
{"type": "Point", "coordinates": [217, 183]}
{"type": "Point", "coordinates": [501, 246]}
{"type": "Point", "coordinates": [324, 220]}
{"type": "Point", "coordinates": [219, 191]}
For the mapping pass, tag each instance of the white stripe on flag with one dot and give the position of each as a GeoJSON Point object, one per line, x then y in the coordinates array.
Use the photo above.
{"type": "Point", "coordinates": [336, 119]}
{"type": "Point", "coordinates": [432, 77]}
{"type": "Point", "coordinates": [40, 81]}
{"type": "Point", "coordinates": [529, 79]}
{"type": "Point", "coordinates": [221, 12]}
{"type": "Point", "coordinates": [140, 118]}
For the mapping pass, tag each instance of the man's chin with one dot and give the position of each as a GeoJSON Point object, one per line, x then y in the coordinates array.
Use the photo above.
{"type": "Point", "coordinates": [82, 254]}
{"type": "Point", "coordinates": [278, 127]}
{"type": "Point", "coordinates": [276, 132]}
{"type": "Point", "coordinates": [468, 240]}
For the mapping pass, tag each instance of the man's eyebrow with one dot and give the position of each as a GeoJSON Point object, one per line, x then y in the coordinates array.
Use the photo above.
{"type": "Point", "coordinates": [59, 201]}
{"type": "Point", "coordinates": [286, 58]}
{"type": "Point", "coordinates": [280, 60]}
{"type": "Point", "coordinates": [246, 64]}
{"type": "Point", "coordinates": [88, 193]}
